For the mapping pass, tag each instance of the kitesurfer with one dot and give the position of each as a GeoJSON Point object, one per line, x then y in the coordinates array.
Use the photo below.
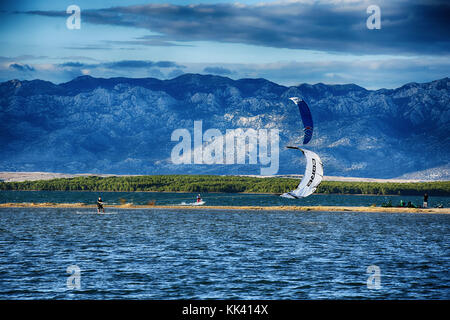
{"type": "Point", "coordinates": [100, 205]}
{"type": "Point", "coordinates": [199, 198]}
{"type": "Point", "coordinates": [425, 200]}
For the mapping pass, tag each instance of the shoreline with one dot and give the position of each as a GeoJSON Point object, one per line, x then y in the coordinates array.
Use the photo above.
{"type": "Point", "coordinates": [252, 208]}
{"type": "Point", "coordinates": [20, 176]}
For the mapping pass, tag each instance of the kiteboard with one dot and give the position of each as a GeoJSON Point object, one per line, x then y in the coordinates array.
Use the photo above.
{"type": "Point", "coordinates": [95, 212]}
{"type": "Point", "coordinates": [200, 203]}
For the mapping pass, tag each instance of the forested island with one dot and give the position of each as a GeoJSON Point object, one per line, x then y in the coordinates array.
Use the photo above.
{"type": "Point", "coordinates": [228, 184]}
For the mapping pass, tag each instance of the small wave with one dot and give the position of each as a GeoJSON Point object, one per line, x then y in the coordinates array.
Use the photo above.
{"type": "Point", "coordinates": [96, 213]}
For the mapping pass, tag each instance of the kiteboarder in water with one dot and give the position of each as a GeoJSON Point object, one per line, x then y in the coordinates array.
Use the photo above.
{"type": "Point", "coordinates": [100, 205]}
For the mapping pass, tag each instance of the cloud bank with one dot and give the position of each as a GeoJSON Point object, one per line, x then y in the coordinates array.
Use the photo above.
{"type": "Point", "coordinates": [407, 27]}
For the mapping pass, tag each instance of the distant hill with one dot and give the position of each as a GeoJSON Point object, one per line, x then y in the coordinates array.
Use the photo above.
{"type": "Point", "coordinates": [123, 125]}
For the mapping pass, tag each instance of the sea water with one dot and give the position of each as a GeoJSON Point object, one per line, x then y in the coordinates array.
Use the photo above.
{"type": "Point", "coordinates": [222, 254]}
{"type": "Point", "coordinates": [212, 199]}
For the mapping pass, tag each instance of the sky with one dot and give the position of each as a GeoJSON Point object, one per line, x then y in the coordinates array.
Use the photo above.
{"type": "Point", "coordinates": [285, 41]}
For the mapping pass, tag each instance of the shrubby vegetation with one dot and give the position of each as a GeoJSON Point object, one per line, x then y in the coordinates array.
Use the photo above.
{"type": "Point", "coordinates": [210, 183]}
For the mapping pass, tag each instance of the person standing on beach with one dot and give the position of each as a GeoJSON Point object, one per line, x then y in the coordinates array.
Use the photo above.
{"type": "Point", "coordinates": [425, 200]}
{"type": "Point", "coordinates": [100, 205]}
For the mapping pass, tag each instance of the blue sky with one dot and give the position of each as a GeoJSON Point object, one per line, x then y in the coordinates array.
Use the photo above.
{"type": "Point", "coordinates": [288, 42]}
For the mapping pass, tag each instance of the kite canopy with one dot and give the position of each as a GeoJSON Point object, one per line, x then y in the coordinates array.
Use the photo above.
{"type": "Point", "coordinates": [305, 113]}
{"type": "Point", "coordinates": [311, 179]}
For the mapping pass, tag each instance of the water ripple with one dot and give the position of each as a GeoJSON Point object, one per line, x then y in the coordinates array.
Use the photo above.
{"type": "Point", "coordinates": [177, 254]}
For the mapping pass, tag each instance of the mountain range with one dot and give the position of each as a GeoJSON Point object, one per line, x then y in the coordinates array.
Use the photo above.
{"type": "Point", "coordinates": [124, 125]}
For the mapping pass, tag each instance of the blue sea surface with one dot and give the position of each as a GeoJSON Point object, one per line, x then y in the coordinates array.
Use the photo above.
{"type": "Point", "coordinates": [222, 254]}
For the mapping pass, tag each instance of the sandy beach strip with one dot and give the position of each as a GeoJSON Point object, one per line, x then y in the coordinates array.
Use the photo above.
{"type": "Point", "coordinates": [254, 208]}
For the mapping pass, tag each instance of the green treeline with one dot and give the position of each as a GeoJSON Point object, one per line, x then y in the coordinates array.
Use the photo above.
{"type": "Point", "coordinates": [211, 183]}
